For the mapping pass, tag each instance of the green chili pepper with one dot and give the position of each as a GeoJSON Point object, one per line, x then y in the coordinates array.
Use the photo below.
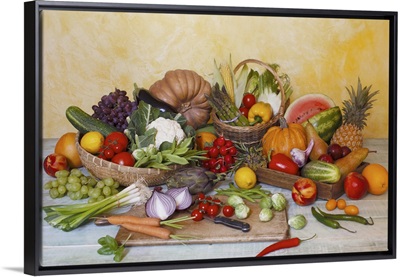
{"type": "Point", "coordinates": [328, 222]}
{"type": "Point", "coordinates": [355, 218]}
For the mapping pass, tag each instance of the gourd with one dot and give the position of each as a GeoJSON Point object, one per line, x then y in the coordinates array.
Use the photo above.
{"type": "Point", "coordinates": [184, 90]}
{"type": "Point", "coordinates": [283, 138]}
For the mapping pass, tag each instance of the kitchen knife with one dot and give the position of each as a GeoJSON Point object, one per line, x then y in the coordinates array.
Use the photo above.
{"type": "Point", "coordinates": [232, 223]}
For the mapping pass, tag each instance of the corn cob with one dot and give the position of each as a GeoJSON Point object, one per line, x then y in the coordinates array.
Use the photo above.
{"type": "Point", "coordinates": [227, 76]}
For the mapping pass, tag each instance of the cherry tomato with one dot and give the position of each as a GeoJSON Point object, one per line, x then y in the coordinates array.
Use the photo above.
{"type": "Point", "coordinates": [244, 111]}
{"type": "Point", "coordinates": [223, 150]}
{"type": "Point", "coordinates": [228, 143]}
{"type": "Point", "coordinates": [248, 100]}
{"type": "Point", "coordinates": [220, 141]}
{"type": "Point", "coordinates": [283, 163]}
{"type": "Point", "coordinates": [232, 151]}
{"type": "Point", "coordinates": [203, 206]}
{"type": "Point", "coordinates": [124, 158]}
{"type": "Point", "coordinates": [197, 215]}
{"type": "Point", "coordinates": [117, 137]}
{"type": "Point", "coordinates": [213, 163]}
{"type": "Point", "coordinates": [213, 152]}
{"type": "Point", "coordinates": [228, 159]}
{"type": "Point", "coordinates": [108, 153]}
{"type": "Point", "coordinates": [201, 196]}
{"type": "Point", "coordinates": [213, 210]}
{"type": "Point", "coordinates": [206, 164]}
{"type": "Point", "coordinates": [223, 169]}
{"type": "Point", "coordinates": [228, 211]}
{"type": "Point", "coordinates": [216, 201]}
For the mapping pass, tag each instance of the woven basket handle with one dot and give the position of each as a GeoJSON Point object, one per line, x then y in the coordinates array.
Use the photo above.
{"type": "Point", "coordinates": [281, 111]}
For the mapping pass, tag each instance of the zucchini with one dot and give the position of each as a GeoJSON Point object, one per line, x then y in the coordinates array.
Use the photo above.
{"type": "Point", "coordinates": [321, 171]}
{"type": "Point", "coordinates": [84, 122]}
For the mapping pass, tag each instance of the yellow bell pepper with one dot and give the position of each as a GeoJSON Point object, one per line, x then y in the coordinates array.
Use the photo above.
{"type": "Point", "coordinates": [260, 112]}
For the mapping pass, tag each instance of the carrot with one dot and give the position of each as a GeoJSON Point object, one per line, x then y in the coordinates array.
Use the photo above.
{"type": "Point", "coordinates": [153, 231]}
{"type": "Point", "coordinates": [131, 219]}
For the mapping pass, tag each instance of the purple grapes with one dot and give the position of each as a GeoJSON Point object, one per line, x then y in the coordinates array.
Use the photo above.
{"type": "Point", "coordinates": [114, 108]}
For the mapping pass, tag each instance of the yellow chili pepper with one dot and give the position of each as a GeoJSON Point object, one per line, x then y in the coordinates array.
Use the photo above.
{"type": "Point", "coordinates": [260, 112]}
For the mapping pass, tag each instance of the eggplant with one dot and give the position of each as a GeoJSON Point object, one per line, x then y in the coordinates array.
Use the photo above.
{"type": "Point", "coordinates": [144, 95]}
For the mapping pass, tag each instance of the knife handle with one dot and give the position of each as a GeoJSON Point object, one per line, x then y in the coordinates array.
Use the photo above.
{"type": "Point", "coordinates": [236, 224]}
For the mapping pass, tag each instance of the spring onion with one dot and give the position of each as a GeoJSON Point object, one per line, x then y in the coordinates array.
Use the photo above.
{"type": "Point", "coordinates": [69, 217]}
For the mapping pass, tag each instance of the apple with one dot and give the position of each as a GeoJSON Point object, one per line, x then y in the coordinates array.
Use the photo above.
{"type": "Point", "coordinates": [55, 162]}
{"type": "Point", "coordinates": [304, 192]}
{"type": "Point", "coordinates": [355, 185]}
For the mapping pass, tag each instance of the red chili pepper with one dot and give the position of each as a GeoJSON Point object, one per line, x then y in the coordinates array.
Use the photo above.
{"type": "Point", "coordinates": [283, 163]}
{"type": "Point", "coordinates": [286, 243]}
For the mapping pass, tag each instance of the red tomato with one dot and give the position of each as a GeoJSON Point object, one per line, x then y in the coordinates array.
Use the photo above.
{"type": "Point", "coordinates": [283, 163]}
{"type": "Point", "coordinates": [248, 100]}
{"type": "Point", "coordinates": [197, 215]}
{"type": "Point", "coordinates": [213, 210]}
{"type": "Point", "coordinates": [117, 137]}
{"type": "Point", "coordinates": [244, 111]}
{"type": "Point", "coordinates": [118, 148]}
{"type": "Point", "coordinates": [228, 211]}
{"type": "Point", "coordinates": [124, 158]}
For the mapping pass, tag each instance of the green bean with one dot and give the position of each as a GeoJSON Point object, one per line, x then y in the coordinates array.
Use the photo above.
{"type": "Point", "coordinates": [328, 222]}
{"type": "Point", "coordinates": [355, 218]}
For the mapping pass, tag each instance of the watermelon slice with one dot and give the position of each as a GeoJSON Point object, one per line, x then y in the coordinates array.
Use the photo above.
{"type": "Point", "coordinates": [307, 106]}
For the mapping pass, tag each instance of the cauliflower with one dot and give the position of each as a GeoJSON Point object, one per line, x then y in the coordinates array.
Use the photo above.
{"type": "Point", "coordinates": [167, 130]}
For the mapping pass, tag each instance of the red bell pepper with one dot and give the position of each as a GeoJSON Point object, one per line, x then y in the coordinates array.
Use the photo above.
{"type": "Point", "coordinates": [283, 163]}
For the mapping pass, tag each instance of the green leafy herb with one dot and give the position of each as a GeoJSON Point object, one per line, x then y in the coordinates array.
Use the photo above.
{"type": "Point", "coordinates": [109, 246]}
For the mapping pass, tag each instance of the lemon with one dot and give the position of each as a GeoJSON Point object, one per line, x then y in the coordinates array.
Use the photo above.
{"type": "Point", "coordinates": [245, 178]}
{"type": "Point", "coordinates": [92, 141]}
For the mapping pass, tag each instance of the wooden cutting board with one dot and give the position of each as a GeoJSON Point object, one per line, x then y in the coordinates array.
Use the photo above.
{"type": "Point", "coordinates": [208, 232]}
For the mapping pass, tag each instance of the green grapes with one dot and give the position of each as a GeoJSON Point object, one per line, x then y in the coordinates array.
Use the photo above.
{"type": "Point", "coordinates": [75, 185]}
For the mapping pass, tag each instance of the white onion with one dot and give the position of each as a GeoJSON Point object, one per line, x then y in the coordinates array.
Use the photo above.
{"type": "Point", "coordinates": [160, 205]}
{"type": "Point", "coordinates": [182, 197]}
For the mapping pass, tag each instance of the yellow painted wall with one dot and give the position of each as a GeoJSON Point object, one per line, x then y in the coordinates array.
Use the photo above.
{"type": "Point", "coordinates": [88, 54]}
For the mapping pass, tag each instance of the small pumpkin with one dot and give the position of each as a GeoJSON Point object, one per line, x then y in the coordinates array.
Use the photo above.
{"type": "Point", "coordinates": [184, 90]}
{"type": "Point", "coordinates": [283, 138]}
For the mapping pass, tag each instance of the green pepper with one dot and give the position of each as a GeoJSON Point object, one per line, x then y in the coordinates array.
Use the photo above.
{"type": "Point", "coordinates": [260, 112]}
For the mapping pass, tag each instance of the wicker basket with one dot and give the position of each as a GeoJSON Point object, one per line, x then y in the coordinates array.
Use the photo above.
{"type": "Point", "coordinates": [250, 135]}
{"type": "Point", "coordinates": [125, 175]}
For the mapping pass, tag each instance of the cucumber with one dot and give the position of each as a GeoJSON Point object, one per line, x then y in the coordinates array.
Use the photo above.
{"type": "Point", "coordinates": [321, 171]}
{"type": "Point", "coordinates": [84, 122]}
{"type": "Point", "coordinates": [326, 122]}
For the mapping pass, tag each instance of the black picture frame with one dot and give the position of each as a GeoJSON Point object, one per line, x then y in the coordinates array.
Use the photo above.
{"type": "Point", "coordinates": [33, 130]}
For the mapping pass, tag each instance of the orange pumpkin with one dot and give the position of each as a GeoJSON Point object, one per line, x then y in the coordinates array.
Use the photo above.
{"type": "Point", "coordinates": [184, 90]}
{"type": "Point", "coordinates": [283, 138]}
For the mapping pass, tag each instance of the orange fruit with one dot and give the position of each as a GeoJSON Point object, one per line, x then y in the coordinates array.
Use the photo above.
{"type": "Point", "coordinates": [66, 146]}
{"type": "Point", "coordinates": [377, 177]}
{"type": "Point", "coordinates": [204, 139]}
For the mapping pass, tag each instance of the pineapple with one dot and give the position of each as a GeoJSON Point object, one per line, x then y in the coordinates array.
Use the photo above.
{"type": "Point", "coordinates": [354, 117]}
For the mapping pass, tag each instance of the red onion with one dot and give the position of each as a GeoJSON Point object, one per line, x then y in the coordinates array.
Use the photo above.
{"type": "Point", "coordinates": [182, 197]}
{"type": "Point", "coordinates": [160, 205]}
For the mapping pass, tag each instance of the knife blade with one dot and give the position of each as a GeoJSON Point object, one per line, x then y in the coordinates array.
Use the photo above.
{"type": "Point", "coordinates": [232, 223]}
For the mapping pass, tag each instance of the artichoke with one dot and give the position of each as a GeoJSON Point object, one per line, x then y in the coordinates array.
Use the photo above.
{"type": "Point", "coordinates": [197, 179]}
